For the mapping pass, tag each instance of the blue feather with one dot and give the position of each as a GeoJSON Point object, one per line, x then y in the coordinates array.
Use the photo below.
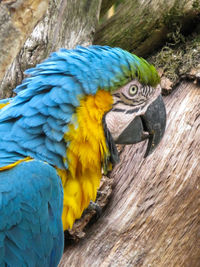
{"type": "Point", "coordinates": [56, 124]}
{"type": "Point", "coordinates": [36, 101]}
{"type": "Point", "coordinates": [7, 157]}
{"type": "Point", "coordinates": [52, 134]}
{"type": "Point", "coordinates": [24, 239]}
{"type": "Point", "coordinates": [32, 143]}
{"type": "Point", "coordinates": [59, 114]}
{"type": "Point", "coordinates": [10, 252]}
{"type": "Point", "coordinates": [11, 146]}
{"type": "Point", "coordinates": [18, 134]}
{"type": "Point", "coordinates": [5, 127]}
{"type": "Point", "coordinates": [46, 99]}
{"type": "Point", "coordinates": [6, 100]}
{"type": "Point", "coordinates": [43, 110]}
{"type": "Point", "coordinates": [33, 130]}
{"type": "Point", "coordinates": [29, 112]}
{"type": "Point", "coordinates": [34, 122]}
{"type": "Point", "coordinates": [67, 108]}
{"type": "Point", "coordinates": [56, 147]}
{"type": "Point", "coordinates": [55, 95]}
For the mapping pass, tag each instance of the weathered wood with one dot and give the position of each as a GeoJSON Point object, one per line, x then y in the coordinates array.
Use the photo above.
{"type": "Point", "coordinates": [106, 4]}
{"type": "Point", "coordinates": [142, 26]}
{"type": "Point", "coordinates": [17, 20]}
{"type": "Point", "coordinates": [67, 23]}
{"type": "Point", "coordinates": [153, 218]}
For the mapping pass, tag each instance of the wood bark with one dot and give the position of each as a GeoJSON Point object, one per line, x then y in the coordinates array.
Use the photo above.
{"type": "Point", "coordinates": [17, 20]}
{"type": "Point", "coordinates": [153, 217]}
{"type": "Point", "coordinates": [67, 23]}
{"type": "Point", "coordinates": [143, 26]}
{"type": "Point", "coordinates": [106, 5]}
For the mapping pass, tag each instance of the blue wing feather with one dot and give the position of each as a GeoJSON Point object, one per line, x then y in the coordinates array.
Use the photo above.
{"type": "Point", "coordinates": [56, 147]}
{"type": "Point", "coordinates": [56, 124]}
{"type": "Point", "coordinates": [6, 100]}
{"type": "Point", "coordinates": [36, 102]}
{"type": "Point", "coordinates": [31, 233]}
{"type": "Point", "coordinates": [48, 101]}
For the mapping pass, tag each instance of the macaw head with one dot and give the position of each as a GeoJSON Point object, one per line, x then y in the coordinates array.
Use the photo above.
{"type": "Point", "coordinates": [138, 113]}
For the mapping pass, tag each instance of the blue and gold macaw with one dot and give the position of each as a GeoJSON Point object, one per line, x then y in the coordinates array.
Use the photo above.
{"type": "Point", "coordinates": [58, 134]}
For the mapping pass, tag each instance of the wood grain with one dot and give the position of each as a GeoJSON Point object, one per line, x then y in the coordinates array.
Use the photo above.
{"type": "Point", "coordinates": [153, 217]}
{"type": "Point", "coordinates": [67, 23]}
{"type": "Point", "coordinates": [17, 20]}
{"type": "Point", "coordinates": [143, 26]}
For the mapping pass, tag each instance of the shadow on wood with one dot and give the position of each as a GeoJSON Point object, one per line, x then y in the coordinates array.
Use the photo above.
{"type": "Point", "coordinates": [153, 217]}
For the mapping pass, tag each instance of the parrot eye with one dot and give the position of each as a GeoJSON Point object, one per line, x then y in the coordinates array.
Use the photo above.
{"type": "Point", "coordinates": [133, 90]}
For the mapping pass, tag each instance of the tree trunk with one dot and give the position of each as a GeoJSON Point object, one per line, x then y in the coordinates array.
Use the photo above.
{"type": "Point", "coordinates": [105, 6]}
{"type": "Point", "coordinates": [67, 23]}
{"type": "Point", "coordinates": [153, 217]}
{"type": "Point", "coordinates": [17, 20]}
{"type": "Point", "coordinates": [142, 26]}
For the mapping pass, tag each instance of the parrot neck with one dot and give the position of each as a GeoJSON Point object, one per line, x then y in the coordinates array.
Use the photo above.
{"type": "Point", "coordinates": [86, 154]}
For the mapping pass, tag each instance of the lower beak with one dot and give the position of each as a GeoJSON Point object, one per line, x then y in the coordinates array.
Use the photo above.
{"type": "Point", "coordinates": [151, 125]}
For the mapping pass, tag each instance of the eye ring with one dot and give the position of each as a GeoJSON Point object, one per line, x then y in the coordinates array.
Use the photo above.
{"type": "Point", "coordinates": [133, 89]}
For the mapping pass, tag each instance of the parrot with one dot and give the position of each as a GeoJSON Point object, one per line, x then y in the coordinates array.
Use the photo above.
{"type": "Point", "coordinates": [59, 133]}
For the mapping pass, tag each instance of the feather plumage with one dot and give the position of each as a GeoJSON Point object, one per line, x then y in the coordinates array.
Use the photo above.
{"type": "Point", "coordinates": [56, 117]}
{"type": "Point", "coordinates": [21, 206]}
{"type": "Point", "coordinates": [54, 88]}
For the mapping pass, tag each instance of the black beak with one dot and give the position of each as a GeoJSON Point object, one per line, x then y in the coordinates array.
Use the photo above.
{"type": "Point", "coordinates": [153, 122]}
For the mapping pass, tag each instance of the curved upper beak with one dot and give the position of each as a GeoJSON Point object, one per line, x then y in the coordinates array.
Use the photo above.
{"type": "Point", "coordinates": [151, 125]}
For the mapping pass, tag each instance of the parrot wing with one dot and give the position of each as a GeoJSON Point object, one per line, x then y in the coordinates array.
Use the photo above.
{"type": "Point", "coordinates": [31, 232]}
{"type": "Point", "coordinates": [4, 102]}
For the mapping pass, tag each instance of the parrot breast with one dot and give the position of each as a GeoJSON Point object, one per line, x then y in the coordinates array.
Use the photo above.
{"type": "Point", "coordinates": [86, 138]}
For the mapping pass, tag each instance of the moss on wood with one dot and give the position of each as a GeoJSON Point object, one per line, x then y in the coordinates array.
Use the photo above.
{"type": "Point", "coordinates": [179, 57]}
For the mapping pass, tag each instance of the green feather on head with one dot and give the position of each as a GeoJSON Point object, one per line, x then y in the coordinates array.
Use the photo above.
{"type": "Point", "coordinates": [135, 68]}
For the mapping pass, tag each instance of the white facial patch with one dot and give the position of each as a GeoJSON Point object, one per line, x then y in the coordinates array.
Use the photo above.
{"type": "Point", "coordinates": [117, 121]}
{"type": "Point", "coordinates": [130, 101]}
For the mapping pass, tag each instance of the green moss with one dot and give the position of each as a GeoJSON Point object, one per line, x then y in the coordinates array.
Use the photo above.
{"type": "Point", "coordinates": [178, 57]}
{"type": "Point", "coordinates": [173, 17]}
{"type": "Point", "coordinates": [196, 5]}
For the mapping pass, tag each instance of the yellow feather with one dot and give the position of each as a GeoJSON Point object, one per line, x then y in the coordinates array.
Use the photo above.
{"type": "Point", "coordinates": [85, 154]}
{"type": "Point", "coordinates": [69, 220]}
{"type": "Point", "coordinates": [3, 105]}
{"type": "Point", "coordinates": [14, 164]}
